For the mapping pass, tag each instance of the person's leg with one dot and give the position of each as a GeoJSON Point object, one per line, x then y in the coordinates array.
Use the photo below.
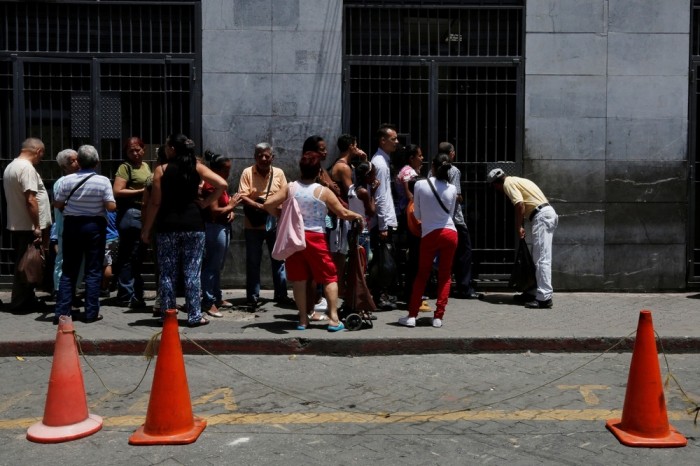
{"type": "Point", "coordinates": [128, 250]}
{"type": "Point", "coordinates": [447, 244]}
{"type": "Point", "coordinates": [299, 290]}
{"type": "Point", "coordinates": [72, 259]}
{"type": "Point", "coordinates": [330, 290]}
{"type": "Point", "coordinates": [214, 252]}
{"type": "Point", "coordinates": [543, 228]}
{"type": "Point", "coordinates": [226, 242]}
{"type": "Point", "coordinates": [253, 255]}
{"type": "Point", "coordinates": [428, 248]}
{"type": "Point", "coordinates": [192, 249]}
{"type": "Point", "coordinates": [22, 294]}
{"type": "Point", "coordinates": [279, 274]}
{"type": "Point", "coordinates": [168, 264]}
{"type": "Point", "coordinates": [462, 263]}
{"type": "Point", "coordinates": [93, 240]}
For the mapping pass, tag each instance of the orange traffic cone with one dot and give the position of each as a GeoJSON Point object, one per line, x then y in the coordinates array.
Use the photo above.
{"type": "Point", "coordinates": [169, 419]}
{"type": "Point", "coordinates": [644, 420]}
{"type": "Point", "coordinates": [66, 415]}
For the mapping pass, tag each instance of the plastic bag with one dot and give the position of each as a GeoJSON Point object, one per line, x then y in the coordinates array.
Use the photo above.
{"type": "Point", "coordinates": [31, 266]}
{"type": "Point", "coordinates": [382, 269]}
{"type": "Point", "coordinates": [523, 277]}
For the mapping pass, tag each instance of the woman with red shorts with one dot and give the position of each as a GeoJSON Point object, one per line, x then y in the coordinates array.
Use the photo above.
{"type": "Point", "coordinates": [315, 262]}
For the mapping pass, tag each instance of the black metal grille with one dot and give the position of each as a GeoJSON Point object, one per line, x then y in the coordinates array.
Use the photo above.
{"type": "Point", "coordinates": [694, 149]}
{"type": "Point", "coordinates": [88, 72]}
{"type": "Point", "coordinates": [98, 27]}
{"type": "Point", "coordinates": [439, 31]}
{"type": "Point", "coordinates": [445, 71]}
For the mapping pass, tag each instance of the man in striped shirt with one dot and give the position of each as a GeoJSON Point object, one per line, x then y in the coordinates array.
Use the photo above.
{"type": "Point", "coordinates": [83, 197]}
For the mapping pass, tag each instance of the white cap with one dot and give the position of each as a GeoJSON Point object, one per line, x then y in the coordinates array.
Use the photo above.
{"type": "Point", "coordinates": [495, 174]}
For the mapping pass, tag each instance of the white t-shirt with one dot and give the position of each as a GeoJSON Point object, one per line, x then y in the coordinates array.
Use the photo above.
{"type": "Point", "coordinates": [427, 208]}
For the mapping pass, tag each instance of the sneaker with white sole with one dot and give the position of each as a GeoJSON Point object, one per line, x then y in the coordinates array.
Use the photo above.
{"type": "Point", "coordinates": [407, 321]}
{"type": "Point", "coordinates": [321, 306]}
{"type": "Point", "coordinates": [437, 323]}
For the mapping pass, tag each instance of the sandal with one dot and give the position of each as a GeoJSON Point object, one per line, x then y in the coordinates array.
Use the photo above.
{"type": "Point", "coordinates": [318, 316]}
{"type": "Point", "coordinates": [336, 328]}
{"type": "Point", "coordinates": [301, 327]}
{"type": "Point", "coordinates": [202, 321]}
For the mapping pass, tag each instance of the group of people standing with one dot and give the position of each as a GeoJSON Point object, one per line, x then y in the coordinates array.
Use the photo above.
{"type": "Point", "coordinates": [182, 208]}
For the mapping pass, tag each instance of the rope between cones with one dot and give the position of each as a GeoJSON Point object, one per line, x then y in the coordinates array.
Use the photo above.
{"type": "Point", "coordinates": [149, 352]}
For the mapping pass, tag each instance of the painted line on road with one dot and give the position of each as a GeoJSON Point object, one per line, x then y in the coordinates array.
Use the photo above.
{"type": "Point", "coordinates": [546, 415]}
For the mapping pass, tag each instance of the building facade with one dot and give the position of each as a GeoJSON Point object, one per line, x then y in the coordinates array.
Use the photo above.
{"type": "Point", "coordinates": [594, 100]}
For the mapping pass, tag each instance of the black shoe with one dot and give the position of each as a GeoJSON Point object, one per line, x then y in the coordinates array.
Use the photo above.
{"type": "Point", "coordinates": [137, 303]}
{"type": "Point", "coordinates": [285, 301]}
{"type": "Point", "coordinates": [467, 295]}
{"type": "Point", "coordinates": [252, 305]}
{"type": "Point", "coordinates": [537, 304]}
{"type": "Point", "coordinates": [523, 298]}
{"type": "Point", "coordinates": [94, 319]}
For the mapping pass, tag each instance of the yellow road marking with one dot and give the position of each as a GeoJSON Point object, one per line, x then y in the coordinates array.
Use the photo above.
{"type": "Point", "coordinates": [586, 392]}
{"type": "Point", "coordinates": [547, 415]}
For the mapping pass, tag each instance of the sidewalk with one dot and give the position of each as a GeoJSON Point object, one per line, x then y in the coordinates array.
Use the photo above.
{"type": "Point", "coordinates": [579, 322]}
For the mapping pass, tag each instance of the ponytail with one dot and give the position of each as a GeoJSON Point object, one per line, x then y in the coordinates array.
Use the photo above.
{"type": "Point", "coordinates": [441, 167]}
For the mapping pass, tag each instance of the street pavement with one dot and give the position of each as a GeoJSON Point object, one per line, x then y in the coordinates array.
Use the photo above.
{"type": "Point", "coordinates": [448, 409]}
{"type": "Point", "coordinates": [578, 322]}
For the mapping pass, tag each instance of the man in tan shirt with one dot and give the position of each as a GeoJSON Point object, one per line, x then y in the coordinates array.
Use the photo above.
{"type": "Point", "coordinates": [531, 203]}
{"type": "Point", "coordinates": [28, 214]}
{"type": "Point", "coordinates": [258, 182]}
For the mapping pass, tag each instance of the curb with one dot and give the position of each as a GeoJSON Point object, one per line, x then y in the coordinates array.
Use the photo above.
{"type": "Point", "coordinates": [362, 346]}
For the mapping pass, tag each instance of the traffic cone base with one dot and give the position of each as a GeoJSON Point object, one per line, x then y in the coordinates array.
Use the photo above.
{"type": "Point", "coordinates": [66, 415]}
{"type": "Point", "coordinates": [42, 433]}
{"type": "Point", "coordinates": [141, 438]}
{"type": "Point", "coordinates": [644, 420]}
{"type": "Point", "coordinates": [672, 439]}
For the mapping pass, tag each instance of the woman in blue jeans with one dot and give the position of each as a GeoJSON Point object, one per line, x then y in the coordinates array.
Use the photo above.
{"type": "Point", "coordinates": [218, 218]}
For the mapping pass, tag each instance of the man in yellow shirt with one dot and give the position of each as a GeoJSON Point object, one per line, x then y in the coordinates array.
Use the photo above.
{"type": "Point", "coordinates": [531, 203]}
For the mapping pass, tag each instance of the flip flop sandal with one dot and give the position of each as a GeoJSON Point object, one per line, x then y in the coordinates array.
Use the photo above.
{"type": "Point", "coordinates": [318, 316]}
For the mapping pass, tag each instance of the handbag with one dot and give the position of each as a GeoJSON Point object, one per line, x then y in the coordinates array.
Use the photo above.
{"type": "Point", "coordinates": [523, 277]}
{"type": "Point", "coordinates": [31, 266]}
{"type": "Point", "coordinates": [258, 217]}
{"type": "Point", "coordinates": [290, 228]}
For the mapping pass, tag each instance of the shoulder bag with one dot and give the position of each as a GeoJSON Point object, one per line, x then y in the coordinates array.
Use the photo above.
{"type": "Point", "coordinates": [290, 228]}
{"type": "Point", "coordinates": [258, 217]}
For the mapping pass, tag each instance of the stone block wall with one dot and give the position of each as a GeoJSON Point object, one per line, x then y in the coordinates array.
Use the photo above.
{"type": "Point", "coordinates": [606, 122]}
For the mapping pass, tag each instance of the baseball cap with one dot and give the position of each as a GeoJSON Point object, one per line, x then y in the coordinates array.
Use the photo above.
{"type": "Point", "coordinates": [495, 174]}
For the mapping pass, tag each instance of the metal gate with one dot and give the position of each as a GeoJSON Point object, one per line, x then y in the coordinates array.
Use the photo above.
{"type": "Point", "coordinates": [89, 72]}
{"type": "Point", "coordinates": [445, 71]}
{"type": "Point", "coordinates": [694, 150]}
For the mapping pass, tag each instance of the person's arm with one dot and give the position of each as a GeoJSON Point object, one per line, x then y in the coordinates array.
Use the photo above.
{"type": "Point", "coordinates": [120, 190]}
{"type": "Point", "coordinates": [245, 190]}
{"type": "Point", "coordinates": [274, 201]}
{"type": "Point", "coordinates": [367, 201]}
{"type": "Point", "coordinates": [220, 185]}
{"type": "Point", "coordinates": [153, 205]}
{"type": "Point", "coordinates": [409, 194]}
{"type": "Point", "coordinates": [344, 173]}
{"type": "Point", "coordinates": [33, 209]}
{"type": "Point", "coordinates": [334, 205]}
{"type": "Point", "coordinates": [110, 206]}
{"type": "Point", "coordinates": [520, 219]}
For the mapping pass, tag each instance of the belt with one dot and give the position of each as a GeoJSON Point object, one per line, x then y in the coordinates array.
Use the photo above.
{"type": "Point", "coordinates": [537, 210]}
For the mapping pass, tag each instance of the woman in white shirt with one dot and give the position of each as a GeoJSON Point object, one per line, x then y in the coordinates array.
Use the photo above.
{"type": "Point", "coordinates": [434, 200]}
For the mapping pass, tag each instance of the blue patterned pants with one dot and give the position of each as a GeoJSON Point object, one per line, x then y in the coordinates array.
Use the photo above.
{"type": "Point", "coordinates": [181, 251]}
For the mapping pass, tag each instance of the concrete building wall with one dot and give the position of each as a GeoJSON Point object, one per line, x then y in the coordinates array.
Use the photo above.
{"type": "Point", "coordinates": [271, 71]}
{"type": "Point", "coordinates": [606, 103]}
{"type": "Point", "coordinates": [606, 121]}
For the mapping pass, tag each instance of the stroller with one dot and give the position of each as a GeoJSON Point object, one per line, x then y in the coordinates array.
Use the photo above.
{"type": "Point", "coordinates": [358, 304]}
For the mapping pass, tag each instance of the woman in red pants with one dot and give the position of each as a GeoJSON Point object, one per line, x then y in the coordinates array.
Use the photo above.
{"type": "Point", "coordinates": [434, 201]}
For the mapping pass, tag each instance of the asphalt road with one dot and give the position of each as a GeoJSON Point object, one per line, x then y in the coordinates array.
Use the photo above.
{"type": "Point", "coordinates": [524, 408]}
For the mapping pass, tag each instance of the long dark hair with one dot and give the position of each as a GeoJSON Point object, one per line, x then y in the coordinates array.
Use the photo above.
{"type": "Point", "coordinates": [441, 166]}
{"type": "Point", "coordinates": [311, 144]}
{"type": "Point", "coordinates": [215, 160]}
{"type": "Point", "coordinates": [184, 155]}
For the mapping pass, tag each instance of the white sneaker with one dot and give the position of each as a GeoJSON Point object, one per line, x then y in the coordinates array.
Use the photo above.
{"type": "Point", "coordinates": [407, 321]}
{"type": "Point", "coordinates": [437, 323]}
{"type": "Point", "coordinates": [321, 306]}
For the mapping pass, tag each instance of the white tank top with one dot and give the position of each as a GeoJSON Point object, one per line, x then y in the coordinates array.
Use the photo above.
{"type": "Point", "coordinates": [313, 209]}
